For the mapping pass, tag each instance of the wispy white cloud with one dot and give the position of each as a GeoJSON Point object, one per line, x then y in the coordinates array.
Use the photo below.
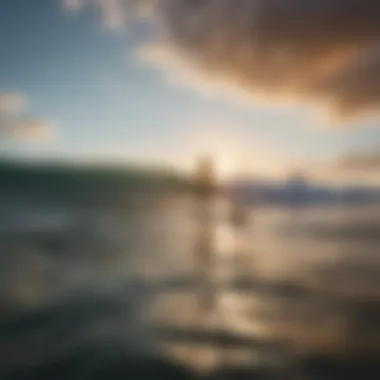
{"type": "Point", "coordinates": [347, 167]}
{"type": "Point", "coordinates": [73, 5]}
{"type": "Point", "coordinates": [15, 124]}
{"type": "Point", "coordinates": [32, 129]}
{"type": "Point", "coordinates": [357, 163]}
{"type": "Point", "coordinates": [114, 13]}
{"type": "Point", "coordinates": [11, 104]}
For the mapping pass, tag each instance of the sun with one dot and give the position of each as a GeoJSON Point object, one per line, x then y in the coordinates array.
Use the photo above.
{"type": "Point", "coordinates": [225, 166]}
{"type": "Point", "coordinates": [222, 144]}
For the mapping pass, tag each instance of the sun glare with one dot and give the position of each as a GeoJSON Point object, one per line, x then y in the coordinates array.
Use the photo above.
{"type": "Point", "coordinates": [225, 166]}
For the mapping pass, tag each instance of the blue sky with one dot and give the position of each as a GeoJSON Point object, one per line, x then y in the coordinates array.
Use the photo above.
{"type": "Point", "coordinates": [108, 106]}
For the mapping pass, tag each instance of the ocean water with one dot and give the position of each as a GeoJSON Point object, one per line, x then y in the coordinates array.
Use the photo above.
{"type": "Point", "coordinates": [89, 291]}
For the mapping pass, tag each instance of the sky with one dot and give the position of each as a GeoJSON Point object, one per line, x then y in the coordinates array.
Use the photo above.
{"type": "Point", "coordinates": [264, 86]}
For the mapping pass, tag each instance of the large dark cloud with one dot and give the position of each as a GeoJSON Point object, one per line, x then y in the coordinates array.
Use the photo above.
{"type": "Point", "coordinates": [326, 52]}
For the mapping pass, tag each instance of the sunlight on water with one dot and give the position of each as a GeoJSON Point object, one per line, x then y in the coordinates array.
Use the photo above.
{"type": "Point", "coordinates": [291, 281]}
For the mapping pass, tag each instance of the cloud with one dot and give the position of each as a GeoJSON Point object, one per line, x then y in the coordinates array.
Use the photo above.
{"type": "Point", "coordinates": [31, 129]}
{"type": "Point", "coordinates": [14, 124]}
{"type": "Point", "coordinates": [73, 5]}
{"type": "Point", "coordinates": [359, 162]}
{"type": "Point", "coordinates": [11, 103]}
{"type": "Point", "coordinates": [324, 52]}
{"type": "Point", "coordinates": [358, 166]}
{"type": "Point", "coordinates": [114, 13]}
